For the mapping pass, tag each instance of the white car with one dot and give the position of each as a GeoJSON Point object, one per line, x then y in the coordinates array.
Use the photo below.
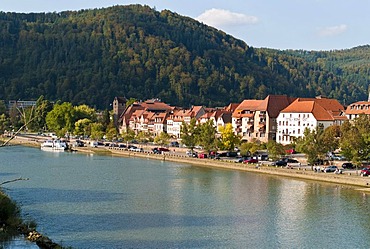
{"type": "Point", "coordinates": [136, 149]}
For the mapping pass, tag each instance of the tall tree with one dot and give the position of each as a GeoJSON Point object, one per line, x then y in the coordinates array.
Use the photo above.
{"type": "Point", "coordinates": [42, 108]}
{"type": "Point", "coordinates": [312, 144]}
{"type": "Point", "coordinates": [355, 139]}
{"type": "Point", "coordinates": [162, 139]}
{"type": "Point", "coordinates": [61, 119]}
{"type": "Point", "coordinates": [189, 134]}
{"type": "Point", "coordinates": [207, 136]}
{"type": "Point", "coordinates": [228, 140]}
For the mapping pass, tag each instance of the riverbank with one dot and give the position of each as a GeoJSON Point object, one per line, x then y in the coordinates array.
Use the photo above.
{"type": "Point", "coordinates": [353, 179]}
{"type": "Point", "coordinates": [361, 183]}
{"type": "Point", "coordinates": [12, 225]}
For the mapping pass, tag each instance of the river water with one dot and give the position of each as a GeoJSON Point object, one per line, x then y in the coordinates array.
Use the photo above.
{"type": "Point", "coordinates": [90, 201]}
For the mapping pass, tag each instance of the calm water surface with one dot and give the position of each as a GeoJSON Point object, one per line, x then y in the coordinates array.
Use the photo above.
{"type": "Point", "coordinates": [90, 201]}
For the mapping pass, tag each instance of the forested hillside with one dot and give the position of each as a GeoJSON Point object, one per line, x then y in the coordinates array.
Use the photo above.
{"type": "Point", "coordinates": [90, 56]}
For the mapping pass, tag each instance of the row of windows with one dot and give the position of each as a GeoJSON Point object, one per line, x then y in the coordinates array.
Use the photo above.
{"type": "Point", "coordinates": [299, 115]}
{"type": "Point", "coordinates": [286, 123]}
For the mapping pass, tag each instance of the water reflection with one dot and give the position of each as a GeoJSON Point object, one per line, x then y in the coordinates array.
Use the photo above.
{"type": "Point", "coordinates": [105, 202]}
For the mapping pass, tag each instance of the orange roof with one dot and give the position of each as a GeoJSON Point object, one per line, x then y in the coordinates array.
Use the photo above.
{"type": "Point", "coordinates": [273, 104]}
{"type": "Point", "coordinates": [360, 107]}
{"type": "Point", "coordinates": [322, 109]}
{"type": "Point", "coordinates": [246, 105]}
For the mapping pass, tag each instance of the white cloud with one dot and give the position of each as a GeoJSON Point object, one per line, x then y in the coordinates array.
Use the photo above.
{"type": "Point", "coordinates": [332, 31]}
{"type": "Point", "coordinates": [224, 18]}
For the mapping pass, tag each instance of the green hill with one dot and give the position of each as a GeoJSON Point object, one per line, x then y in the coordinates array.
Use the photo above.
{"type": "Point", "coordinates": [90, 56]}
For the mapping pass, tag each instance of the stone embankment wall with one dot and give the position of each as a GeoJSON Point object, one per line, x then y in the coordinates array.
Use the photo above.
{"type": "Point", "coordinates": [296, 172]}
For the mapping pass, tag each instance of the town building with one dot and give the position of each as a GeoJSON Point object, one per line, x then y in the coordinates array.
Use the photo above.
{"type": "Point", "coordinates": [148, 116]}
{"type": "Point", "coordinates": [356, 109]}
{"type": "Point", "coordinates": [256, 119]}
{"type": "Point", "coordinates": [307, 113]}
{"type": "Point", "coordinates": [178, 116]}
{"type": "Point", "coordinates": [119, 105]}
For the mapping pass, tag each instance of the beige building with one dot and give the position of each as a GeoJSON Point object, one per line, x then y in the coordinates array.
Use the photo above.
{"type": "Point", "coordinates": [256, 119]}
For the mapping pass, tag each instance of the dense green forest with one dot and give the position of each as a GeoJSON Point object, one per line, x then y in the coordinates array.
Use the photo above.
{"type": "Point", "coordinates": [90, 56]}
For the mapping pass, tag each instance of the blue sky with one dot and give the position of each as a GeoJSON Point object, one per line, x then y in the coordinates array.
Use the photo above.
{"type": "Point", "coordinates": [279, 24]}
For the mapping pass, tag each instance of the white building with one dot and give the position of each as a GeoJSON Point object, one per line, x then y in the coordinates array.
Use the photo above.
{"type": "Point", "coordinates": [308, 113]}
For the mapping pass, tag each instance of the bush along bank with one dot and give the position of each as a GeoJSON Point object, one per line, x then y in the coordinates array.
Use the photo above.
{"type": "Point", "coordinates": [11, 225]}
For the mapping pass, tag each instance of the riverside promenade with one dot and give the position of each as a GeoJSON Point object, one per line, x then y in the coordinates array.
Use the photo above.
{"type": "Point", "coordinates": [353, 179]}
{"type": "Point", "coordinates": [362, 183]}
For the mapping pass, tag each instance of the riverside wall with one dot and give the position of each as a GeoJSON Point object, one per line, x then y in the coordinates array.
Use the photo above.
{"type": "Point", "coordinates": [353, 179]}
{"type": "Point", "coordinates": [296, 172]}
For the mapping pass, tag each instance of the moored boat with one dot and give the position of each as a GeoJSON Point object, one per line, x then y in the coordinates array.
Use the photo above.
{"type": "Point", "coordinates": [54, 145]}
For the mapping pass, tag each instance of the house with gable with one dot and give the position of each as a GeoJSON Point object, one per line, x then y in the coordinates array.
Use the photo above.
{"type": "Point", "coordinates": [257, 119]}
{"type": "Point", "coordinates": [175, 120]}
{"type": "Point", "coordinates": [220, 117]}
{"type": "Point", "coordinates": [243, 118]}
{"type": "Point", "coordinates": [308, 113]}
{"type": "Point", "coordinates": [145, 116]}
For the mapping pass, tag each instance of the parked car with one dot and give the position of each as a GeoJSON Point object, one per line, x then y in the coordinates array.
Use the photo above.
{"type": "Point", "coordinates": [280, 163]}
{"type": "Point", "coordinates": [240, 160]}
{"type": "Point", "coordinates": [263, 157]}
{"type": "Point", "coordinates": [174, 144]}
{"type": "Point", "coordinates": [136, 149]}
{"type": "Point", "coordinates": [290, 151]}
{"type": "Point", "coordinates": [202, 155]}
{"type": "Point", "coordinates": [331, 168]}
{"type": "Point", "coordinates": [192, 153]}
{"type": "Point", "coordinates": [365, 171]}
{"type": "Point", "coordinates": [289, 160]}
{"type": "Point", "coordinates": [250, 160]}
{"type": "Point", "coordinates": [163, 149]}
{"type": "Point", "coordinates": [156, 151]}
{"type": "Point", "coordinates": [347, 166]}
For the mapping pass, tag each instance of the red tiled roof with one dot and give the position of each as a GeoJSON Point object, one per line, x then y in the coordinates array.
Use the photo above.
{"type": "Point", "coordinates": [360, 107]}
{"type": "Point", "coordinates": [322, 109]}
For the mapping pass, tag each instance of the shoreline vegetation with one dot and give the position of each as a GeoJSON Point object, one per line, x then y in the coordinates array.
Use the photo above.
{"type": "Point", "coordinates": [12, 225]}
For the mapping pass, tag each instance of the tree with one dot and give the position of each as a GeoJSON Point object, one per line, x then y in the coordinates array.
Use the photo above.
{"type": "Point", "coordinates": [111, 134]}
{"type": "Point", "coordinates": [97, 130]}
{"type": "Point", "coordinates": [82, 127]}
{"type": "Point", "coordinates": [143, 137]}
{"type": "Point", "coordinates": [129, 135]}
{"type": "Point", "coordinates": [162, 139]}
{"type": "Point", "coordinates": [312, 144]}
{"type": "Point", "coordinates": [2, 107]}
{"type": "Point", "coordinates": [84, 111]}
{"type": "Point", "coordinates": [330, 137]}
{"type": "Point", "coordinates": [207, 136]}
{"type": "Point", "coordinates": [61, 119]}
{"type": "Point", "coordinates": [43, 107]}
{"type": "Point", "coordinates": [228, 139]}
{"type": "Point", "coordinates": [355, 139]}
{"type": "Point", "coordinates": [4, 123]}
{"type": "Point", "coordinates": [189, 134]}
{"type": "Point", "coordinates": [275, 149]}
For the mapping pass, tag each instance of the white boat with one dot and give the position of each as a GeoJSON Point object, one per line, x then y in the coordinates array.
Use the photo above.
{"type": "Point", "coordinates": [54, 145]}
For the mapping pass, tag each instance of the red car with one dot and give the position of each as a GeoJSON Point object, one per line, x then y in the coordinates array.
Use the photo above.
{"type": "Point", "coordinates": [251, 160]}
{"type": "Point", "coordinates": [365, 171]}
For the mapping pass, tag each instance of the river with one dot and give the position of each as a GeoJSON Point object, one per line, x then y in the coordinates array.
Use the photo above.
{"type": "Point", "coordinates": [92, 201]}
